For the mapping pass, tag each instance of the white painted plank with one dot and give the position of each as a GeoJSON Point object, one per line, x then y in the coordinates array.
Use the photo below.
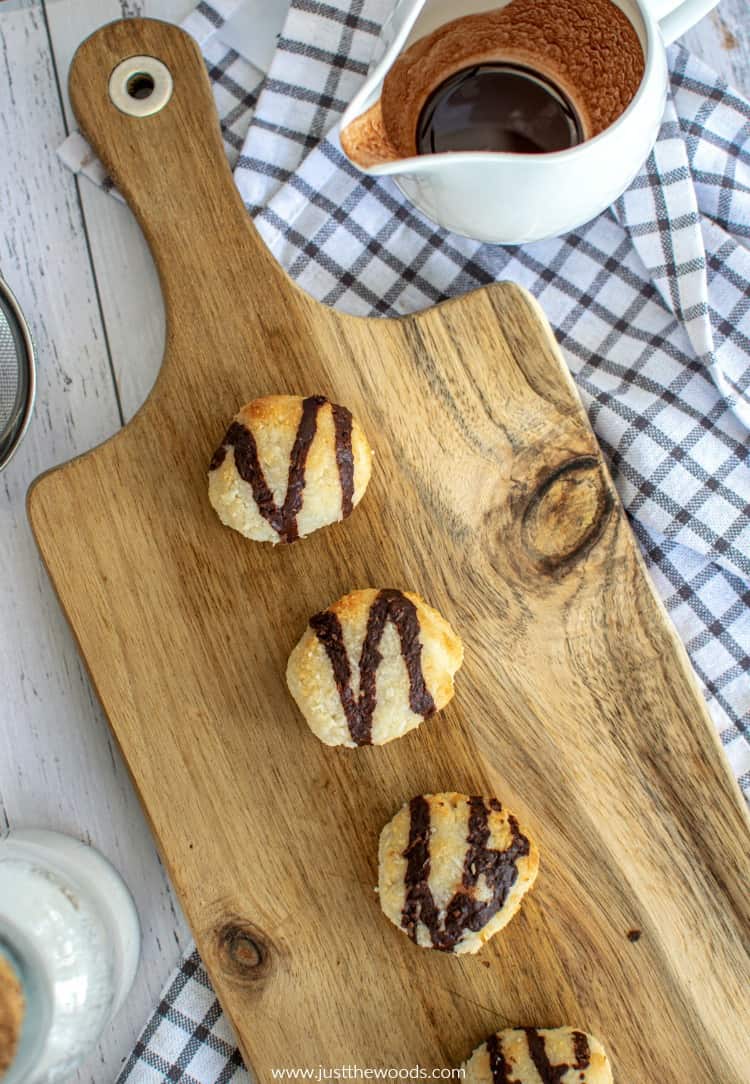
{"type": "Point", "coordinates": [58, 767]}
{"type": "Point", "coordinates": [723, 41]}
{"type": "Point", "coordinates": [126, 277]}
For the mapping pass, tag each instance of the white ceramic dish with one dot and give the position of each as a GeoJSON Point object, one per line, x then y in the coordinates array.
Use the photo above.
{"type": "Point", "coordinates": [517, 198]}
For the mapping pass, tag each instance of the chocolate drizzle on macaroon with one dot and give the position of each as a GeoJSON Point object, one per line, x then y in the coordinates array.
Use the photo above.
{"type": "Point", "coordinates": [553, 1074]}
{"type": "Point", "coordinates": [221, 452]}
{"type": "Point", "coordinates": [548, 1073]}
{"type": "Point", "coordinates": [389, 605]}
{"type": "Point", "coordinates": [499, 1067]}
{"type": "Point", "coordinates": [582, 1050]}
{"type": "Point", "coordinates": [284, 519]}
{"type": "Point", "coordinates": [464, 911]}
{"type": "Point", "coordinates": [342, 421]}
{"type": "Point", "coordinates": [287, 528]}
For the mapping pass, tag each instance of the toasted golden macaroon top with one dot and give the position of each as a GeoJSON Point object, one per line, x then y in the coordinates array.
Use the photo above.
{"type": "Point", "coordinates": [11, 1013]}
{"type": "Point", "coordinates": [368, 612]}
{"type": "Point", "coordinates": [287, 448]}
{"type": "Point", "coordinates": [469, 846]}
{"type": "Point", "coordinates": [525, 1055]}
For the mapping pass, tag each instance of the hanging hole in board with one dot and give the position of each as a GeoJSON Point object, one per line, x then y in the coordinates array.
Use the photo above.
{"type": "Point", "coordinates": [140, 86]}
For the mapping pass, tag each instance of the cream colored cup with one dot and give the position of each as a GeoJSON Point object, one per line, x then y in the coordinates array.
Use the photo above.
{"type": "Point", "coordinates": [516, 198]}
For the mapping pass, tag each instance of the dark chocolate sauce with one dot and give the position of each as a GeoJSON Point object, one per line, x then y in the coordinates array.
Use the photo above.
{"type": "Point", "coordinates": [497, 107]}
{"type": "Point", "coordinates": [553, 1074]}
{"type": "Point", "coordinates": [249, 469]}
{"type": "Point", "coordinates": [218, 457]}
{"type": "Point", "coordinates": [284, 519]}
{"type": "Point", "coordinates": [548, 1073]}
{"type": "Point", "coordinates": [582, 1050]}
{"type": "Point", "coordinates": [392, 606]}
{"type": "Point", "coordinates": [464, 910]}
{"type": "Point", "coordinates": [498, 1065]}
{"type": "Point", "coordinates": [287, 528]}
{"type": "Point", "coordinates": [342, 421]}
{"type": "Point", "coordinates": [419, 904]}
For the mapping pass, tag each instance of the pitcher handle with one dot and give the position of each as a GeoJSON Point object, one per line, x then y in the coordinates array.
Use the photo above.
{"type": "Point", "coordinates": [677, 16]}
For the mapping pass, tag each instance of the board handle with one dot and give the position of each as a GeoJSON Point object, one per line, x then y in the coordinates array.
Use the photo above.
{"type": "Point", "coordinates": [141, 93]}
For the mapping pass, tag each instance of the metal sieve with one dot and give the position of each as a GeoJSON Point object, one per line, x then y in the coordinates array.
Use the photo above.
{"type": "Point", "coordinates": [17, 376]}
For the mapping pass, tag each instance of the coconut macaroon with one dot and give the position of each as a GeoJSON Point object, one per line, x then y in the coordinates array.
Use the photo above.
{"type": "Point", "coordinates": [12, 1009]}
{"type": "Point", "coordinates": [453, 870]}
{"type": "Point", "coordinates": [288, 466]}
{"type": "Point", "coordinates": [527, 1055]}
{"type": "Point", "coordinates": [372, 667]}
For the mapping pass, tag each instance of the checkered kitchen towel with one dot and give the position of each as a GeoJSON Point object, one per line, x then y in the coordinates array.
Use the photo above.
{"type": "Point", "coordinates": [650, 303]}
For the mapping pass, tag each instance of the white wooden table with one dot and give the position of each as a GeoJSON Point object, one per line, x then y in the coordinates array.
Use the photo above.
{"type": "Point", "coordinates": [81, 271]}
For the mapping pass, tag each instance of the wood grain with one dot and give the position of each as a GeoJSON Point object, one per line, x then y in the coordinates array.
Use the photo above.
{"type": "Point", "coordinates": [126, 281]}
{"type": "Point", "coordinates": [576, 703]}
{"type": "Point", "coordinates": [58, 764]}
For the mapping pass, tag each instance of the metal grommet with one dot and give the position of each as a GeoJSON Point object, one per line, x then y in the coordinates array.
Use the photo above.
{"type": "Point", "coordinates": [140, 86]}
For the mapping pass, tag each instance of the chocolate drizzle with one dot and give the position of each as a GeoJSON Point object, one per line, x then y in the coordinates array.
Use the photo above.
{"type": "Point", "coordinates": [249, 469]}
{"type": "Point", "coordinates": [287, 528]}
{"type": "Point", "coordinates": [389, 605]}
{"type": "Point", "coordinates": [464, 911]}
{"type": "Point", "coordinates": [582, 1050]}
{"type": "Point", "coordinates": [419, 903]}
{"type": "Point", "coordinates": [553, 1074]}
{"type": "Point", "coordinates": [548, 1073]}
{"type": "Point", "coordinates": [342, 420]}
{"type": "Point", "coordinates": [284, 519]}
{"type": "Point", "coordinates": [219, 456]}
{"type": "Point", "coordinates": [499, 1067]}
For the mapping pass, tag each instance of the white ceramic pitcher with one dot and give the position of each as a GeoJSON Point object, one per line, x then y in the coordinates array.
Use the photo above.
{"type": "Point", "coordinates": [515, 198]}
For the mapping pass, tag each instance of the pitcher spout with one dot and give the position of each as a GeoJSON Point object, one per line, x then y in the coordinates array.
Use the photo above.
{"type": "Point", "coordinates": [361, 130]}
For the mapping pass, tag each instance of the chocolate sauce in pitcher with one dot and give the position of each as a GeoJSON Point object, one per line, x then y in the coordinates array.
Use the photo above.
{"type": "Point", "coordinates": [498, 107]}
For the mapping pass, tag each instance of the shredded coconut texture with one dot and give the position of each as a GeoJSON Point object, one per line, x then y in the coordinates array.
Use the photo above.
{"type": "Point", "coordinates": [11, 1014]}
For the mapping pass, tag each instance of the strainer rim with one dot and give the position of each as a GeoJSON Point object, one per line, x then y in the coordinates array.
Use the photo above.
{"type": "Point", "coordinates": [17, 434]}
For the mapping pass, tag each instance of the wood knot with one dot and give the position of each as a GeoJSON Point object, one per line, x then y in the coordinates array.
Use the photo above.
{"type": "Point", "coordinates": [567, 514]}
{"type": "Point", "coordinates": [244, 953]}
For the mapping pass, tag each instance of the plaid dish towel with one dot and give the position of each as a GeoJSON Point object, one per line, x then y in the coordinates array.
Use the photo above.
{"type": "Point", "coordinates": [650, 303]}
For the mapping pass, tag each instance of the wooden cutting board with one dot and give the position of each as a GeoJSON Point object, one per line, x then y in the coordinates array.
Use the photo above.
{"type": "Point", "coordinates": [576, 704]}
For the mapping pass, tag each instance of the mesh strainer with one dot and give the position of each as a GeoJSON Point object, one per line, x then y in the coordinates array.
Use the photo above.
{"type": "Point", "coordinates": [17, 381]}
